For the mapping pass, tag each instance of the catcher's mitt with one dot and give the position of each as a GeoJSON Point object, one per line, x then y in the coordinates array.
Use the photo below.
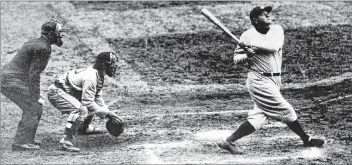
{"type": "Point", "coordinates": [115, 126]}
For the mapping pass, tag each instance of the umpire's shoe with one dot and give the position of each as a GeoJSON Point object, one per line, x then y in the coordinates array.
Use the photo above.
{"type": "Point", "coordinates": [37, 142]}
{"type": "Point", "coordinates": [68, 146]}
{"type": "Point", "coordinates": [231, 147]}
{"type": "Point", "coordinates": [313, 142]}
{"type": "Point", "coordinates": [24, 147]}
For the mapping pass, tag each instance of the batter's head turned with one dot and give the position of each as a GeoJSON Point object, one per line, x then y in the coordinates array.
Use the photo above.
{"type": "Point", "coordinates": [259, 15]}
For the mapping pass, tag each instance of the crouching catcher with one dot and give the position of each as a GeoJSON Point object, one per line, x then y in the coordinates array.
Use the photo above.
{"type": "Point", "coordinates": [79, 94]}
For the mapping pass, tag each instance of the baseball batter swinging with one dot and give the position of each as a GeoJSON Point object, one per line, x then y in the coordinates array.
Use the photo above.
{"type": "Point", "coordinates": [261, 47]}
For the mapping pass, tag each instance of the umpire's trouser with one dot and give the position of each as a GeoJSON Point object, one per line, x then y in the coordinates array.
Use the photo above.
{"type": "Point", "coordinates": [14, 89]}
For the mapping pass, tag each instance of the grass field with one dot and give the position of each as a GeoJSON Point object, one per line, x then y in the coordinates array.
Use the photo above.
{"type": "Point", "coordinates": [179, 90]}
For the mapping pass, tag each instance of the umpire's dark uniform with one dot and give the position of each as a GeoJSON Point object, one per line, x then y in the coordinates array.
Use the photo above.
{"type": "Point", "coordinates": [20, 82]}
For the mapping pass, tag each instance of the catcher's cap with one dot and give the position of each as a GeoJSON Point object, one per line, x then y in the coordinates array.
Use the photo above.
{"type": "Point", "coordinates": [107, 58]}
{"type": "Point", "coordinates": [259, 10]}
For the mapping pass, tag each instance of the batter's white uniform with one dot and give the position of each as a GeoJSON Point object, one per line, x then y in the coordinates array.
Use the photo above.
{"type": "Point", "coordinates": [265, 90]}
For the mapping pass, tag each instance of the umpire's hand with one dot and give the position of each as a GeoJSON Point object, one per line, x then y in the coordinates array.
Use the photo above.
{"type": "Point", "coordinates": [41, 101]}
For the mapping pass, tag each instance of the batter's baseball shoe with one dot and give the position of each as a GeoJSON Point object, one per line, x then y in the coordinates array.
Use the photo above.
{"type": "Point", "coordinates": [91, 130]}
{"type": "Point", "coordinates": [68, 146]}
{"type": "Point", "coordinates": [231, 147]}
{"type": "Point", "coordinates": [24, 147]}
{"type": "Point", "coordinates": [313, 142]}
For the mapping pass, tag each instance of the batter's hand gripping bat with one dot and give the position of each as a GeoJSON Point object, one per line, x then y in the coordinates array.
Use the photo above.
{"type": "Point", "coordinates": [213, 19]}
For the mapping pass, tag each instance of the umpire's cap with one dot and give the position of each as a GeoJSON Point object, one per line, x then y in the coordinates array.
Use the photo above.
{"type": "Point", "coordinates": [52, 26]}
{"type": "Point", "coordinates": [258, 11]}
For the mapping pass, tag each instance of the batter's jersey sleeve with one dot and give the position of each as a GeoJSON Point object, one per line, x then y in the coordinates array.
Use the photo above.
{"type": "Point", "coordinates": [239, 53]}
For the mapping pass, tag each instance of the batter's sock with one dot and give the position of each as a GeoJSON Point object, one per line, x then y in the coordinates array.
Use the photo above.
{"type": "Point", "coordinates": [245, 129]}
{"type": "Point", "coordinates": [297, 128]}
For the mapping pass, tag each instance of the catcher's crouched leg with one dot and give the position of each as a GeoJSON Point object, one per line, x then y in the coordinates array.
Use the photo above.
{"type": "Point", "coordinates": [115, 126]}
{"type": "Point", "coordinates": [74, 122]}
{"type": "Point", "coordinates": [88, 128]}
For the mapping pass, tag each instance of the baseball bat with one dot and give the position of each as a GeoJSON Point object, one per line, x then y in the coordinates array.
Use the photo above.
{"type": "Point", "coordinates": [214, 20]}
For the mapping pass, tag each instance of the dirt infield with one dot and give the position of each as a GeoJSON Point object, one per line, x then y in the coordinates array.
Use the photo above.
{"type": "Point", "coordinates": [179, 92]}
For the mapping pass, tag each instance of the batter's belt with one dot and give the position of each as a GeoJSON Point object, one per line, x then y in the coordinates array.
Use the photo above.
{"type": "Point", "coordinates": [271, 74]}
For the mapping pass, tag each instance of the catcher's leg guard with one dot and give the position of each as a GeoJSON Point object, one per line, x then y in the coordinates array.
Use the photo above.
{"type": "Point", "coordinates": [75, 121]}
{"type": "Point", "coordinates": [86, 123]}
{"type": "Point", "coordinates": [88, 128]}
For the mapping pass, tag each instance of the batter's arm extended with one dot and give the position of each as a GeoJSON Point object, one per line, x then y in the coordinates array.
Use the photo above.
{"type": "Point", "coordinates": [242, 52]}
{"type": "Point", "coordinates": [239, 56]}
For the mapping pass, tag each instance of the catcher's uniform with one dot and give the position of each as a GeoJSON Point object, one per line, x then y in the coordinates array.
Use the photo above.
{"type": "Point", "coordinates": [20, 82]}
{"type": "Point", "coordinates": [264, 79]}
{"type": "Point", "coordinates": [76, 89]}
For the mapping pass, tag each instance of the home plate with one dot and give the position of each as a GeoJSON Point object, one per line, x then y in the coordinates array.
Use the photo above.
{"type": "Point", "coordinates": [213, 135]}
{"type": "Point", "coordinates": [312, 153]}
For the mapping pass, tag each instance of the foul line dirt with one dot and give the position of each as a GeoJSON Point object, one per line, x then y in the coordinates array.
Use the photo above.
{"type": "Point", "coordinates": [152, 158]}
{"type": "Point", "coordinates": [188, 113]}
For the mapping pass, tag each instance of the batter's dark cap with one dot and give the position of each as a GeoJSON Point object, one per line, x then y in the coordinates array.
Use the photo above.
{"type": "Point", "coordinates": [259, 10]}
{"type": "Point", "coordinates": [48, 27]}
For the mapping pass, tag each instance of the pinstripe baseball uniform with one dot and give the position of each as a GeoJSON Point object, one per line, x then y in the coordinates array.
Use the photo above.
{"type": "Point", "coordinates": [77, 88]}
{"type": "Point", "coordinates": [264, 79]}
{"type": "Point", "coordinates": [261, 47]}
{"type": "Point", "coordinates": [79, 93]}
{"type": "Point", "coordinates": [74, 90]}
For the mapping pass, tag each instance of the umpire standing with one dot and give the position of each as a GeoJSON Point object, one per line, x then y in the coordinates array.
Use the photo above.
{"type": "Point", "coordinates": [20, 82]}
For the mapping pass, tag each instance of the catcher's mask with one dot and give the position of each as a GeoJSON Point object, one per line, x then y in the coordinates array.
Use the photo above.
{"type": "Point", "coordinates": [109, 62]}
{"type": "Point", "coordinates": [54, 30]}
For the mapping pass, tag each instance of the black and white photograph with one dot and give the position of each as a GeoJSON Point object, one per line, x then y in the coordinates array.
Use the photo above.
{"type": "Point", "coordinates": [176, 82]}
